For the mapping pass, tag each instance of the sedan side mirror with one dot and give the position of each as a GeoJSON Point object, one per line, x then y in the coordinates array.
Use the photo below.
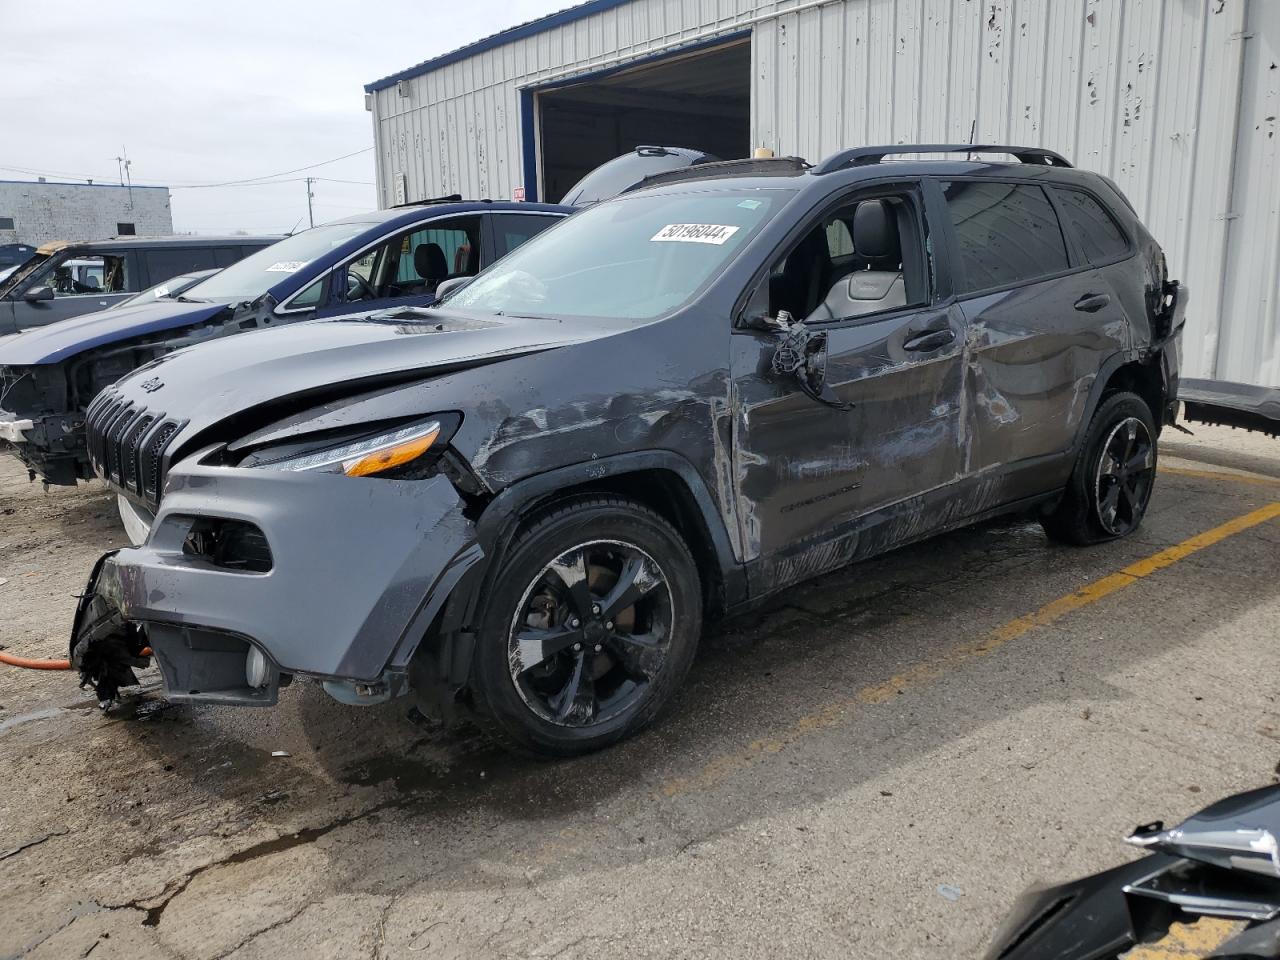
{"type": "Point", "coordinates": [452, 285]}
{"type": "Point", "coordinates": [36, 294]}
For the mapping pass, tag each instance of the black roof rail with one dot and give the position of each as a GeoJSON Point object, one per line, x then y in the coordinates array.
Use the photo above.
{"type": "Point", "coordinates": [723, 168]}
{"type": "Point", "coordinates": [861, 156]}
{"type": "Point", "coordinates": [450, 198]}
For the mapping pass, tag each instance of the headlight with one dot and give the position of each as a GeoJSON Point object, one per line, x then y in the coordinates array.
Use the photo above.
{"type": "Point", "coordinates": [362, 458]}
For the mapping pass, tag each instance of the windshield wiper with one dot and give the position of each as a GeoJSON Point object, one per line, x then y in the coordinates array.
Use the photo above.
{"type": "Point", "coordinates": [182, 298]}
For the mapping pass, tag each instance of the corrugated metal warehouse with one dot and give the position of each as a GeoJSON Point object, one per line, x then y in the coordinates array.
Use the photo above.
{"type": "Point", "coordinates": [1177, 100]}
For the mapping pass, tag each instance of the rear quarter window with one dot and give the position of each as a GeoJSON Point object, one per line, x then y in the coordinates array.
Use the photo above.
{"type": "Point", "coordinates": [1095, 229]}
{"type": "Point", "coordinates": [1006, 233]}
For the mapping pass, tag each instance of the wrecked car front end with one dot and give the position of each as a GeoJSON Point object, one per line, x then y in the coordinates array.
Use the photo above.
{"type": "Point", "coordinates": [231, 584]}
{"type": "Point", "coordinates": [311, 514]}
{"type": "Point", "coordinates": [49, 376]}
{"type": "Point", "coordinates": [1221, 862]}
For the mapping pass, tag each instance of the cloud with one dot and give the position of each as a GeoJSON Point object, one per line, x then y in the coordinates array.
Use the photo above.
{"type": "Point", "coordinates": [200, 94]}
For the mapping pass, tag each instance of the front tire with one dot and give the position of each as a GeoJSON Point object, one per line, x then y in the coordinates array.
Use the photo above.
{"type": "Point", "coordinates": [589, 627]}
{"type": "Point", "coordinates": [1114, 475]}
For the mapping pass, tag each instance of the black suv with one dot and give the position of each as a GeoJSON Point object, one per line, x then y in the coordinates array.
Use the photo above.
{"type": "Point", "coordinates": [63, 280]}
{"type": "Point", "coordinates": [670, 406]}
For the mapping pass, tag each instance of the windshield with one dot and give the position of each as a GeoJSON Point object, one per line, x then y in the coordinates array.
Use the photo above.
{"type": "Point", "coordinates": [634, 259]}
{"type": "Point", "coordinates": [259, 272]}
{"type": "Point", "coordinates": [169, 288]}
{"type": "Point", "coordinates": [21, 272]}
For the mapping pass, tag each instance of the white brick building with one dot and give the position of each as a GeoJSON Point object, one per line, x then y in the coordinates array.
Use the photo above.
{"type": "Point", "coordinates": [37, 212]}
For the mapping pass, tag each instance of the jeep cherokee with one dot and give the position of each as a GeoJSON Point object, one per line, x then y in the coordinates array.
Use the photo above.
{"type": "Point", "coordinates": [528, 499]}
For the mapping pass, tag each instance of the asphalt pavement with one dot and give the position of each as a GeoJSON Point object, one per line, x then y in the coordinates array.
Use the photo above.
{"type": "Point", "coordinates": [876, 765]}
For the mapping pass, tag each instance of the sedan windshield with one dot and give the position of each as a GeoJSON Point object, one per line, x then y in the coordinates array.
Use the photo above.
{"type": "Point", "coordinates": [259, 272]}
{"type": "Point", "coordinates": [635, 258]}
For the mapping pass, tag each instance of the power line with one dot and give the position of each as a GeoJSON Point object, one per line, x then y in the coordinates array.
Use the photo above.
{"type": "Point", "coordinates": [262, 180]}
{"type": "Point", "coordinates": [282, 173]}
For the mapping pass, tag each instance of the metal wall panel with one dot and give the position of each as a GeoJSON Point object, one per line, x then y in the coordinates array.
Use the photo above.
{"type": "Point", "coordinates": [1249, 342]}
{"type": "Point", "coordinates": [1170, 98]}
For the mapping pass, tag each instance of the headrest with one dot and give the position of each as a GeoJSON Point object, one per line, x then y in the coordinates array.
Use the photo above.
{"type": "Point", "coordinates": [430, 262]}
{"type": "Point", "coordinates": [875, 230]}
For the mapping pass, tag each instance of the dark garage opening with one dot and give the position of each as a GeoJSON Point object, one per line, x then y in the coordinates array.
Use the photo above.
{"type": "Point", "coordinates": [700, 100]}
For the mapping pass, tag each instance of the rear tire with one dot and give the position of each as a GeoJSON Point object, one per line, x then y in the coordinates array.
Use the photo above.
{"type": "Point", "coordinates": [1111, 483]}
{"type": "Point", "coordinates": [589, 627]}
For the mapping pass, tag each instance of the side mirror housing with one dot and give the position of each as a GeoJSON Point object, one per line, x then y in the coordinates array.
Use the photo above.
{"type": "Point", "coordinates": [780, 324]}
{"type": "Point", "coordinates": [452, 285]}
{"type": "Point", "coordinates": [37, 294]}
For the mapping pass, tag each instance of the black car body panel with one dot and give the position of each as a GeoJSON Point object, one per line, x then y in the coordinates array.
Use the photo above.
{"type": "Point", "coordinates": [1231, 404]}
{"type": "Point", "coordinates": [1221, 862]}
{"type": "Point", "coordinates": [889, 426]}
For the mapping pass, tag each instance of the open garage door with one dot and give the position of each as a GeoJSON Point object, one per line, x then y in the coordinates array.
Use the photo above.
{"type": "Point", "coordinates": [700, 100]}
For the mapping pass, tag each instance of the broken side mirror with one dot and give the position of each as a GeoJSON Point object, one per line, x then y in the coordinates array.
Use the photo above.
{"type": "Point", "coordinates": [781, 324]}
{"type": "Point", "coordinates": [802, 355]}
{"type": "Point", "coordinates": [38, 294]}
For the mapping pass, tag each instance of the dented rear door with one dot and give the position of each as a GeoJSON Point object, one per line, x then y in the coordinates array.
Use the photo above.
{"type": "Point", "coordinates": [1041, 321]}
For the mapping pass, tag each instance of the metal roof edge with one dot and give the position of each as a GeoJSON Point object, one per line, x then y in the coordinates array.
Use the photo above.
{"type": "Point", "coordinates": [511, 34]}
{"type": "Point", "coordinates": [77, 183]}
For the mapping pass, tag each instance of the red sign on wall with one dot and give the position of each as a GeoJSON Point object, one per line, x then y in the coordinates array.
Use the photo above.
{"type": "Point", "coordinates": [517, 193]}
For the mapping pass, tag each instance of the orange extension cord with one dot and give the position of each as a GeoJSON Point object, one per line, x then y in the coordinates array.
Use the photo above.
{"type": "Point", "coordinates": [28, 664]}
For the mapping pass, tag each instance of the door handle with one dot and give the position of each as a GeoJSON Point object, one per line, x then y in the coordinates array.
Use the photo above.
{"type": "Point", "coordinates": [1092, 302]}
{"type": "Point", "coordinates": [929, 340]}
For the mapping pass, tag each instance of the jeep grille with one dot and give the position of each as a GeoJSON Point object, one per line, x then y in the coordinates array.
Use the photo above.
{"type": "Point", "coordinates": [128, 444]}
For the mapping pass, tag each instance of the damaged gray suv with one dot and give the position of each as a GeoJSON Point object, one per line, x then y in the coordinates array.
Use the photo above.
{"type": "Point", "coordinates": [528, 499]}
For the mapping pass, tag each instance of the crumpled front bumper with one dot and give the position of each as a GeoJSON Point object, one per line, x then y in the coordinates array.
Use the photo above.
{"type": "Point", "coordinates": [359, 567]}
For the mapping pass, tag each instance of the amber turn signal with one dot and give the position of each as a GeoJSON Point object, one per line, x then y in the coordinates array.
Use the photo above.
{"type": "Point", "coordinates": [388, 458]}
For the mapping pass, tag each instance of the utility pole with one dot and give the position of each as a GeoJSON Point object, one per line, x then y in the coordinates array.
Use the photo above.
{"type": "Point", "coordinates": [310, 216]}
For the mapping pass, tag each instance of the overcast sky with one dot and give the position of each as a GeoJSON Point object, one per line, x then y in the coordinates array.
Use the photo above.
{"type": "Point", "coordinates": [210, 93]}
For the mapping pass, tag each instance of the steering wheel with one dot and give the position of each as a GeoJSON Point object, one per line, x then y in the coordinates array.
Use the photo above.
{"type": "Point", "coordinates": [358, 288]}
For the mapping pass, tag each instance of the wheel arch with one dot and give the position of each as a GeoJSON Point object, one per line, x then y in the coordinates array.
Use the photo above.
{"type": "Point", "coordinates": [1132, 372]}
{"type": "Point", "coordinates": [661, 480]}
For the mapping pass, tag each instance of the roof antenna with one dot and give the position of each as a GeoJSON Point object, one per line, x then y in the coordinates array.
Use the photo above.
{"type": "Point", "coordinates": [973, 128]}
{"type": "Point", "coordinates": [123, 163]}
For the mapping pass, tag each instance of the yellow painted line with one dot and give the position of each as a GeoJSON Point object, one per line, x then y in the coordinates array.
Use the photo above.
{"type": "Point", "coordinates": [834, 713]}
{"type": "Point", "coordinates": [1187, 940]}
{"type": "Point", "coordinates": [1254, 478]}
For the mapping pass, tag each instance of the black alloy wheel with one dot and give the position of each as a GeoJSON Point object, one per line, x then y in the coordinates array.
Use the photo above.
{"type": "Point", "coordinates": [1114, 474]}
{"type": "Point", "coordinates": [591, 633]}
{"type": "Point", "coordinates": [587, 627]}
{"type": "Point", "coordinates": [1126, 474]}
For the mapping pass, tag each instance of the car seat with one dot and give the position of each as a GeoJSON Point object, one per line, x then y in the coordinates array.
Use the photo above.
{"type": "Point", "coordinates": [431, 265]}
{"type": "Point", "coordinates": [880, 286]}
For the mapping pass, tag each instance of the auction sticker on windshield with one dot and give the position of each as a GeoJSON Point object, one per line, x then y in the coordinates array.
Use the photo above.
{"type": "Point", "coordinates": [287, 266]}
{"type": "Point", "coordinates": [694, 233]}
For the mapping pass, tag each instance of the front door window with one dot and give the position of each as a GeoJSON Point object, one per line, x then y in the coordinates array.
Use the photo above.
{"type": "Point", "coordinates": [91, 276]}
{"type": "Point", "coordinates": [414, 263]}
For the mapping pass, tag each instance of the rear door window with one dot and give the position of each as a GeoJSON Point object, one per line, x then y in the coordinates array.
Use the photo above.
{"type": "Point", "coordinates": [1097, 232]}
{"type": "Point", "coordinates": [165, 263]}
{"type": "Point", "coordinates": [1006, 233]}
{"type": "Point", "coordinates": [512, 229]}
